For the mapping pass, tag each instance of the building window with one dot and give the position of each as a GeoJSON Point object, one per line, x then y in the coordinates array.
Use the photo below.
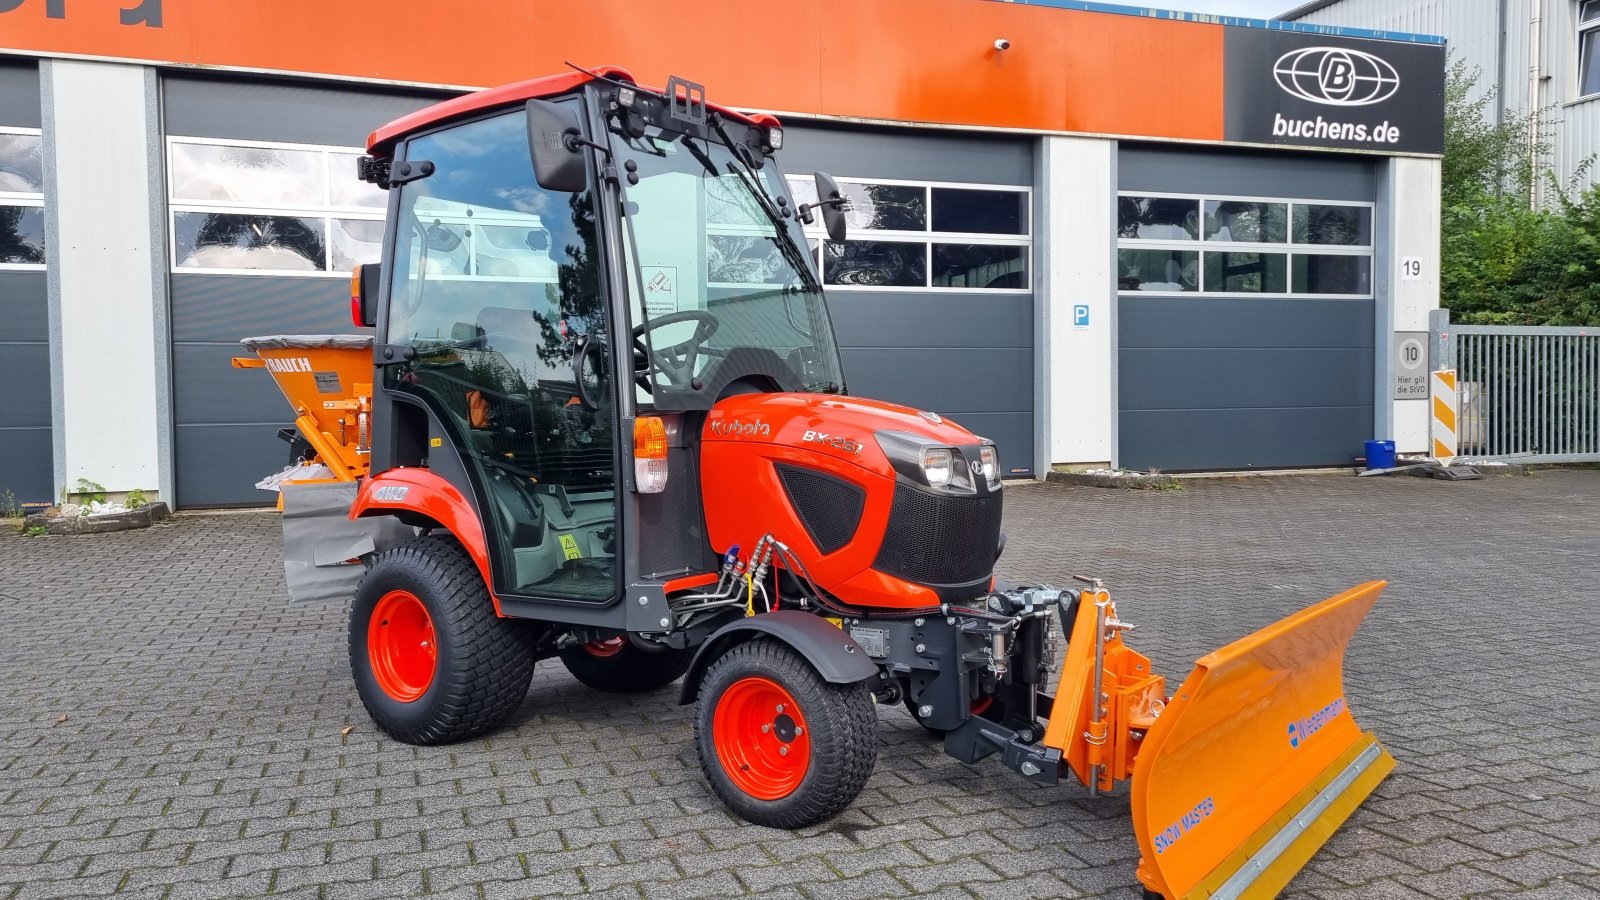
{"type": "Point", "coordinates": [1243, 246]}
{"type": "Point", "coordinates": [922, 236]}
{"type": "Point", "coordinates": [259, 208]}
{"type": "Point", "coordinates": [22, 245]}
{"type": "Point", "coordinates": [1589, 48]}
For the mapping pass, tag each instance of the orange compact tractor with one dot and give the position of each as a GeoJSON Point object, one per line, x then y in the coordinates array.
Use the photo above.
{"type": "Point", "coordinates": [608, 421]}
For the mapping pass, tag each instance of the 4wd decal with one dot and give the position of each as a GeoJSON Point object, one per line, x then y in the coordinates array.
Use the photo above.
{"type": "Point", "coordinates": [391, 493]}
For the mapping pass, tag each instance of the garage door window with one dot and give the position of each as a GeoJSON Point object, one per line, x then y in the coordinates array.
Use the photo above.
{"type": "Point", "coordinates": [259, 208]}
{"type": "Point", "coordinates": [922, 236]}
{"type": "Point", "coordinates": [21, 200]}
{"type": "Point", "coordinates": [1243, 246]}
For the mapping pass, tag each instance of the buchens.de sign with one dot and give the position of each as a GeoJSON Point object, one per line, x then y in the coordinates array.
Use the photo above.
{"type": "Point", "coordinates": [1315, 90]}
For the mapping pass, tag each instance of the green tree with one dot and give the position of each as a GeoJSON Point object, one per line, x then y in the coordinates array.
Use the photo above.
{"type": "Point", "coordinates": [1503, 260]}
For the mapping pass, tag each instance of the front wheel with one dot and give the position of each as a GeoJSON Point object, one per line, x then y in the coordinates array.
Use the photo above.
{"type": "Point", "coordinates": [616, 666]}
{"type": "Point", "coordinates": [779, 745]}
{"type": "Point", "coordinates": [432, 662]}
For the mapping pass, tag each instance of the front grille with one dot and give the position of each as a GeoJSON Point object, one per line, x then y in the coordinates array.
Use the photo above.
{"type": "Point", "coordinates": [829, 507]}
{"type": "Point", "coordinates": [937, 539]}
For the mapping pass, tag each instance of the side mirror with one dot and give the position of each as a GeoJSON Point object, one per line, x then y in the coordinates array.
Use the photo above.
{"type": "Point", "coordinates": [364, 281]}
{"type": "Point", "coordinates": [558, 163]}
{"type": "Point", "coordinates": [832, 203]}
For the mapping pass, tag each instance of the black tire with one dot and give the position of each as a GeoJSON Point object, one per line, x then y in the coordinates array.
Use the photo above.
{"type": "Point", "coordinates": [841, 748]}
{"type": "Point", "coordinates": [483, 664]}
{"type": "Point", "coordinates": [628, 670]}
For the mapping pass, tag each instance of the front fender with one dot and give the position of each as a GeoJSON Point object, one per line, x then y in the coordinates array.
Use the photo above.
{"type": "Point", "coordinates": [424, 493]}
{"type": "Point", "coordinates": [834, 654]}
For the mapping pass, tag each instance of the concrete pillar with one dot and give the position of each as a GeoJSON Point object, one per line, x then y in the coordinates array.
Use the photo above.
{"type": "Point", "coordinates": [1407, 228]}
{"type": "Point", "coordinates": [1075, 396]}
{"type": "Point", "coordinates": [107, 279]}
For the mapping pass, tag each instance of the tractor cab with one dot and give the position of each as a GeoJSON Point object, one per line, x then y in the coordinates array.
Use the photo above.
{"type": "Point", "coordinates": [579, 269]}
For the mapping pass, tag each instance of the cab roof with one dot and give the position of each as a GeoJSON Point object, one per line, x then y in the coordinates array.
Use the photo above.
{"type": "Point", "coordinates": [382, 141]}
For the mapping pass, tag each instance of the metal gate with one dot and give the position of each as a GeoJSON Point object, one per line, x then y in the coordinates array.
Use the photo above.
{"type": "Point", "coordinates": [1529, 393]}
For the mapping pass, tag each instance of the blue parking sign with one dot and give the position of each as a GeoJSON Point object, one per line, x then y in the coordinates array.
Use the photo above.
{"type": "Point", "coordinates": [1080, 315]}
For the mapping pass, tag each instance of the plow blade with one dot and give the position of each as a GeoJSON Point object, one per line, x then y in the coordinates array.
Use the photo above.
{"type": "Point", "coordinates": [1257, 760]}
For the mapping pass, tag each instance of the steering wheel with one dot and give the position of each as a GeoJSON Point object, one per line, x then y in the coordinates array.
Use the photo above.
{"type": "Point", "coordinates": [588, 395]}
{"type": "Point", "coordinates": [677, 361]}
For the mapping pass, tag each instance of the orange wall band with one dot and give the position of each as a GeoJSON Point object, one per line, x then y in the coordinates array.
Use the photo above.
{"type": "Point", "coordinates": [927, 61]}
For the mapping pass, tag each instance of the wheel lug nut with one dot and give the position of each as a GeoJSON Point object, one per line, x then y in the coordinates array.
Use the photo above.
{"type": "Point", "coordinates": [780, 707]}
{"type": "Point", "coordinates": [766, 729]}
{"type": "Point", "coordinates": [798, 731]}
{"type": "Point", "coordinates": [784, 750]}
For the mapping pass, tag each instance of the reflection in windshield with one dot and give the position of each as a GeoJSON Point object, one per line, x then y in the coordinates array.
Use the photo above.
{"type": "Point", "coordinates": [702, 239]}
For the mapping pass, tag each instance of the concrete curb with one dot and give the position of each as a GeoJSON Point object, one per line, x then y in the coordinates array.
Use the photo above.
{"type": "Point", "coordinates": [1126, 481]}
{"type": "Point", "coordinates": [143, 517]}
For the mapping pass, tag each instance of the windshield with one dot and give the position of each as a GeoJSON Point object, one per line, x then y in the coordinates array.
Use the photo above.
{"type": "Point", "coordinates": [725, 286]}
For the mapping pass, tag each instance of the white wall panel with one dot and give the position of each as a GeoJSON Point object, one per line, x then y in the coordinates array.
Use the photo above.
{"type": "Point", "coordinates": [109, 360]}
{"type": "Point", "coordinates": [1408, 227]}
{"type": "Point", "coordinates": [1076, 390]}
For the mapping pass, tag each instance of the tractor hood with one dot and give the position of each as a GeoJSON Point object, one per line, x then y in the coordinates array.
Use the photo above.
{"type": "Point", "coordinates": [872, 434]}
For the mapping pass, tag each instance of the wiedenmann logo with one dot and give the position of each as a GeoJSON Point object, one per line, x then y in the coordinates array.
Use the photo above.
{"type": "Point", "coordinates": [1336, 76]}
{"type": "Point", "coordinates": [1302, 729]}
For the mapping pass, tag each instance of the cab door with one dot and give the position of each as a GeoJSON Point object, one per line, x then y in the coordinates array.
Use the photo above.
{"type": "Point", "coordinates": [497, 290]}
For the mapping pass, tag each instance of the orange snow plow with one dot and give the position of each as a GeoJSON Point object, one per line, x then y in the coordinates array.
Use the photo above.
{"type": "Point", "coordinates": [1249, 767]}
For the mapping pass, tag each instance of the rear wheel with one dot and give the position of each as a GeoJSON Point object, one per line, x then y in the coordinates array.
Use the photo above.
{"type": "Point", "coordinates": [431, 660]}
{"type": "Point", "coordinates": [779, 745]}
{"type": "Point", "coordinates": [616, 666]}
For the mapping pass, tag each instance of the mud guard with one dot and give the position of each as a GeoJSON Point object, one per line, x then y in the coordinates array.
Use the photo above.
{"type": "Point", "coordinates": [1257, 760]}
{"type": "Point", "coordinates": [834, 654]}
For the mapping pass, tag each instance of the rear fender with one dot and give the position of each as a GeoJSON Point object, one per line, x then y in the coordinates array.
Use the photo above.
{"type": "Point", "coordinates": [835, 655]}
{"type": "Point", "coordinates": [423, 493]}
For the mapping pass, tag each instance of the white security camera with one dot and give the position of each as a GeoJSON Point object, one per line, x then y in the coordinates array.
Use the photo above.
{"type": "Point", "coordinates": [1002, 44]}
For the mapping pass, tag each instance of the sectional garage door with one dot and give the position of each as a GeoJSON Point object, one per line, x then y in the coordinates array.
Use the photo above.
{"type": "Point", "coordinates": [1245, 310]}
{"type": "Point", "coordinates": [26, 460]}
{"type": "Point", "coordinates": [931, 297]}
{"type": "Point", "coordinates": [265, 219]}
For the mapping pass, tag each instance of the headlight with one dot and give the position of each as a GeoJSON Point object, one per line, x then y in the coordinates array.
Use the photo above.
{"type": "Point", "coordinates": [991, 465]}
{"type": "Point", "coordinates": [936, 466]}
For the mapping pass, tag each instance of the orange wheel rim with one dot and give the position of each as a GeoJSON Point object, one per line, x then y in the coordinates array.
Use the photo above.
{"type": "Point", "coordinates": [401, 646]}
{"type": "Point", "coordinates": [761, 738]}
{"type": "Point", "coordinates": [982, 704]}
{"type": "Point", "coordinates": [609, 647]}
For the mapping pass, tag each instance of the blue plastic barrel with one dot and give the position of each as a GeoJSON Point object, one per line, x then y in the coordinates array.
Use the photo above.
{"type": "Point", "coordinates": [1380, 454]}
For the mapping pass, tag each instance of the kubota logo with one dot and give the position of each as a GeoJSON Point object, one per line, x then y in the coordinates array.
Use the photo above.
{"type": "Point", "coordinates": [736, 428]}
{"type": "Point", "coordinates": [1302, 729]}
{"type": "Point", "coordinates": [1336, 77]}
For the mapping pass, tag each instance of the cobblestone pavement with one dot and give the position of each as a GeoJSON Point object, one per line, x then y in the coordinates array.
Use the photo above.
{"type": "Point", "coordinates": [171, 727]}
